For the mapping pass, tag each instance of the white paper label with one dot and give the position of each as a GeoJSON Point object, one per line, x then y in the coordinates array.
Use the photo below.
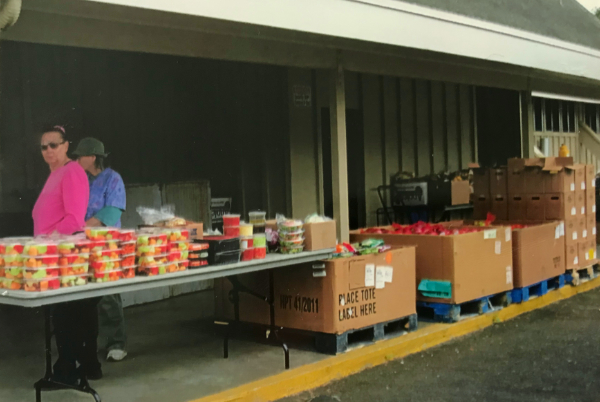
{"type": "Point", "coordinates": [244, 244]}
{"type": "Point", "coordinates": [370, 275]}
{"type": "Point", "coordinates": [584, 234]}
{"type": "Point", "coordinates": [582, 210]}
{"type": "Point", "coordinates": [593, 183]}
{"type": "Point", "coordinates": [574, 235]}
{"type": "Point", "coordinates": [489, 234]}
{"type": "Point", "coordinates": [507, 235]}
{"type": "Point", "coordinates": [587, 256]}
{"type": "Point", "coordinates": [595, 254]}
{"type": "Point", "coordinates": [557, 232]}
{"type": "Point", "coordinates": [498, 247]}
{"type": "Point", "coordinates": [594, 231]}
{"type": "Point", "coordinates": [573, 211]}
{"type": "Point", "coordinates": [508, 275]}
{"type": "Point", "coordinates": [320, 273]}
{"type": "Point", "coordinates": [379, 278]}
{"type": "Point", "coordinates": [388, 273]}
{"type": "Point", "coordinates": [593, 208]}
{"type": "Point", "coordinates": [572, 186]}
{"type": "Point", "coordinates": [576, 260]}
{"type": "Point", "coordinates": [562, 229]}
{"type": "Point", "coordinates": [583, 185]}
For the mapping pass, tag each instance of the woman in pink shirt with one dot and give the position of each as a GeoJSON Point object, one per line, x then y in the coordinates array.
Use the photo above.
{"type": "Point", "coordinates": [61, 207]}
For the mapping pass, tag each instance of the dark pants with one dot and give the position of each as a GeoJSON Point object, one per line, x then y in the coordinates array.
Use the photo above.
{"type": "Point", "coordinates": [76, 331]}
{"type": "Point", "coordinates": [112, 323]}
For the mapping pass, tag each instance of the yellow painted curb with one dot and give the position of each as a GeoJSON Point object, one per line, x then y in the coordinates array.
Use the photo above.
{"type": "Point", "coordinates": [314, 375]}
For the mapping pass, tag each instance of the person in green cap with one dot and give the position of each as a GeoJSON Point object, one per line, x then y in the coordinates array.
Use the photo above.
{"type": "Point", "coordinates": [107, 203]}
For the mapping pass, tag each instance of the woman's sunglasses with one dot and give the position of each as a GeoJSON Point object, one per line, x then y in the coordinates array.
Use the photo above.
{"type": "Point", "coordinates": [52, 145]}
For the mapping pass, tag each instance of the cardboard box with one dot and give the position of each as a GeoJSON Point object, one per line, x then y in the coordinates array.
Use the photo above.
{"type": "Point", "coordinates": [583, 254]}
{"type": "Point", "coordinates": [500, 206]}
{"type": "Point", "coordinates": [517, 208]}
{"type": "Point", "coordinates": [481, 206]}
{"type": "Point", "coordinates": [498, 182]}
{"type": "Point", "coordinates": [572, 255]}
{"type": "Point", "coordinates": [534, 180]}
{"type": "Point", "coordinates": [538, 253]}
{"type": "Point", "coordinates": [535, 207]}
{"type": "Point", "coordinates": [580, 203]}
{"type": "Point", "coordinates": [590, 202]}
{"type": "Point", "coordinates": [579, 177]}
{"type": "Point", "coordinates": [590, 177]}
{"type": "Point", "coordinates": [339, 295]}
{"type": "Point", "coordinates": [558, 175]}
{"type": "Point", "coordinates": [591, 256]}
{"type": "Point", "coordinates": [525, 176]}
{"type": "Point", "coordinates": [582, 228]}
{"type": "Point", "coordinates": [475, 264]}
{"type": "Point", "coordinates": [570, 208]}
{"type": "Point", "coordinates": [572, 235]}
{"type": "Point", "coordinates": [554, 206]}
{"type": "Point", "coordinates": [481, 182]}
{"type": "Point", "coordinates": [320, 236]}
{"type": "Point", "coordinates": [591, 225]}
{"type": "Point", "coordinates": [461, 192]}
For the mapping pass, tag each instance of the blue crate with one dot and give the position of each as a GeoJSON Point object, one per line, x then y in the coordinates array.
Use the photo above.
{"type": "Point", "coordinates": [523, 294]}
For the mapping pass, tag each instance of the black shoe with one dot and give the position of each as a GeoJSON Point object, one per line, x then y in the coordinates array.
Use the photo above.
{"type": "Point", "coordinates": [94, 375]}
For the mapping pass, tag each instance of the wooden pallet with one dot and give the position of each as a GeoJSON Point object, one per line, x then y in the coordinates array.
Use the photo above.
{"type": "Point", "coordinates": [577, 276]}
{"type": "Point", "coordinates": [449, 313]}
{"type": "Point", "coordinates": [339, 343]}
{"type": "Point", "coordinates": [526, 293]}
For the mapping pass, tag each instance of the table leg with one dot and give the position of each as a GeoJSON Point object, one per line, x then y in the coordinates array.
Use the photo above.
{"type": "Point", "coordinates": [47, 383]}
{"type": "Point", "coordinates": [274, 329]}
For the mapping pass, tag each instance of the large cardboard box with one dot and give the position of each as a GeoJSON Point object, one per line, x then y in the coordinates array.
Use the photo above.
{"type": "Point", "coordinates": [554, 206]}
{"type": "Point", "coordinates": [590, 256]}
{"type": "Point", "coordinates": [538, 252]}
{"type": "Point", "coordinates": [517, 208]}
{"type": "Point", "coordinates": [339, 295]}
{"type": "Point", "coordinates": [580, 203]}
{"type": "Point", "coordinates": [583, 253]}
{"type": "Point", "coordinates": [460, 192]}
{"type": "Point", "coordinates": [320, 236]}
{"type": "Point", "coordinates": [582, 228]}
{"type": "Point", "coordinates": [475, 264]}
{"type": "Point", "coordinates": [572, 235]}
{"type": "Point", "coordinates": [570, 208]}
{"type": "Point", "coordinates": [536, 207]}
{"type": "Point", "coordinates": [579, 177]}
{"type": "Point", "coordinates": [498, 182]}
{"type": "Point", "coordinates": [590, 202]}
{"type": "Point", "coordinates": [559, 176]}
{"type": "Point", "coordinates": [590, 177]}
{"type": "Point", "coordinates": [481, 206]}
{"type": "Point", "coordinates": [481, 182]}
{"type": "Point", "coordinates": [572, 255]}
{"type": "Point", "coordinates": [591, 224]}
{"type": "Point", "coordinates": [500, 206]}
{"type": "Point", "coordinates": [525, 176]}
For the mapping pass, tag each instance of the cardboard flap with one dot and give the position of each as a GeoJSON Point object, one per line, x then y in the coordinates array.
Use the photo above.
{"type": "Point", "coordinates": [534, 162]}
{"type": "Point", "coordinates": [556, 164]}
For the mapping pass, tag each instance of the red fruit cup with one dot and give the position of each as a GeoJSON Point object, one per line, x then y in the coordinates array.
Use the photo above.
{"type": "Point", "coordinates": [248, 254]}
{"type": "Point", "coordinates": [127, 235]}
{"type": "Point", "coordinates": [185, 234]}
{"type": "Point", "coordinates": [246, 242]}
{"type": "Point", "coordinates": [128, 260]}
{"type": "Point", "coordinates": [199, 246]}
{"type": "Point", "coordinates": [233, 231]}
{"type": "Point", "coordinates": [231, 220]}
{"type": "Point", "coordinates": [183, 265]}
{"type": "Point", "coordinates": [198, 264]}
{"type": "Point", "coordinates": [260, 253]}
{"type": "Point", "coordinates": [41, 285]}
{"type": "Point", "coordinates": [128, 247]}
{"type": "Point", "coordinates": [107, 276]}
{"type": "Point", "coordinates": [129, 272]}
{"type": "Point", "coordinates": [174, 256]}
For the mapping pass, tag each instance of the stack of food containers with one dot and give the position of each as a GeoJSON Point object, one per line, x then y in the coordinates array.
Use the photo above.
{"type": "Point", "coordinates": [231, 225]}
{"type": "Point", "coordinates": [291, 236]}
{"type": "Point", "coordinates": [152, 254]}
{"type": "Point", "coordinates": [247, 241]}
{"type": "Point", "coordinates": [260, 246]}
{"type": "Point", "coordinates": [105, 256]}
{"type": "Point", "coordinates": [178, 246]}
{"type": "Point", "coordinates": [41, 266]}
{"type": "Point", "coordinates": [73, 261]}
{"type": "Point", "coordinates": [198, 254]}
{"type": "Point", "coordinates": [11, 264]}
{"type": "Point", "coordinates": [259, 220]}
{"type": "Point", "coordinates": [128, 244]}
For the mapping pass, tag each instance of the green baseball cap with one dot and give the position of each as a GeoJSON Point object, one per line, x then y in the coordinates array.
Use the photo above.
{"type": "Point", "coordinates": [90, 146]}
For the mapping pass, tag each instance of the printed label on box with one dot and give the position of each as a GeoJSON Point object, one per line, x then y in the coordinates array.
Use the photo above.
{"type": "Point", "coordinates": [562, 229]}
{"type": "Point", "coordinates": [379, 278]}
{"type": "Point", "coordinates": [489, 234]}
{"type": "Point", "coordinates": [593, 208]}
{"type": "Point", "coordinates": [507, 235]}
{"type": "Point", "coordinates": [498, 247]}
{"type": "Point", "coordinates": [574, 235]}
{"type": "Point", "coordinates": [573, 211]}
{"type": "Point", "coordinates": [576, 260]}
{"type": "Point", "coordinates": [370, 275]}
{"type": "Point", "coordinates": [582, 210]}
{"type": "Point", "coordinates": [583, 185]}
{"type": "Point", "coordinates": [320, 273]}
{"type": "Point", "coordinates": [508, 275]}
{"type": "Point", "coordinates": [572, 186]}
{"type": "Point", "coordinates": [557, 232]}
{"type": "Point", "coordinates": [594, 231]}
{"type": "Point", "coordinates": [584, 234]}
{"type": "Point", "coordinates": [388, 273]}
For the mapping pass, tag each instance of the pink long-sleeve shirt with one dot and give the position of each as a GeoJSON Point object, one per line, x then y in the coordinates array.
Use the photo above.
{"type": "Point", "coordinates": [63, 202]}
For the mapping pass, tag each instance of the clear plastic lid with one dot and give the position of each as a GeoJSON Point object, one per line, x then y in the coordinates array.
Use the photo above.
{"type": "Point", "coordinates": [36, 248]}
{"type": "Point", "coordinates": [44, 257]}
{"type": "Point", "coordinates": [290, 226]}
{"type": "Point", "coordinates": [102, 233]}
{"type": "Point", "coordinates": [291, 242]}
{"type": "Point", "coordinates": [78, 269]}
{"type": "Point", "coordinates": [199, 246]}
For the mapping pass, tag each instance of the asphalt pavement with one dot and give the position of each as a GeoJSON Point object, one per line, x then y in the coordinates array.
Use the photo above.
{"type": "Point", "coordinates": [551, 354]}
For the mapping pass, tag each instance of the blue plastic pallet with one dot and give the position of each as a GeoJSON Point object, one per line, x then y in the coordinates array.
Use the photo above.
{"type": "Point", "coordinates": [446, 312]}
{"type": "Point", "coordinates": [520, 295]}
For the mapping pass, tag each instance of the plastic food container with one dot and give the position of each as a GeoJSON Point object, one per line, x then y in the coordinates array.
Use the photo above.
{"type": "Point", "coordinates": [289, 226]}
{"type": "Point", "coordinates": [128, 260]}
{"type": "Point", "coordinates": [199, 246]}
{"type": "Point", "coordinates": [292, 249]}
{"type": "Point", "coordinates": [291, 235]}
{"type": "Point", "coordinates": [13, 272]}
{"type": "Point", "coordinates": [198, 255]}
{"type": "Point", "coordinates": [105, 255]}
{"type": "Point", "coordinates": [231, 220]}
{"type": "Point", "coordinates": [178, 245]}
{"type": "Point", "coordinates": [291, 243]}
{"type": "Point", "coordinates": [219, 244]}
{"type": "Point", "coordinates": [259, 228]}
{"type": "Point", "coordinates": [246, 229]}
{"type": "Point", "coordinates": [12, 284]}
{"type": "Point", "coordinates": [128, 247]}
{"type": "Point", "coordinates": [260, 253]}
{"type": "Point", "coordinates": [74, 280]}
{"type": "Point", "coordinates": [71, 259]}
{"type": "Point", "coordinates": [103, 233]}
{"type": "Point", "coordinates": [41, 261]}
{"type": "Point", "coordinates": [195, 264]}
{"type": "Point", "coordinates": [72, 270]}
{"type": "Point", "coordinates": [178, 235]}
{"type": "Point", "coordinates": [101, 266]}
{"type": "Point", "coordinates": [41, 285]}
{"type": "Point", "coordinates": [9, 248]}
{"type": "Point", "coordinates": [226, 257]}
{"type": "Point", "coordinates": [246, 242]}
{"type": "Point", "coordinates": [157, 269]}
{"type": "Point", "coordinates": [183, 265]}
{"type": "Point", "coordinates": [107, 276]}
{"type": "Point", "coordinates": [35, 249]}
{"type": "Point", "coordinates": [74, 246]}
{"type": "Point", "coordinates": [148, 251]}
{"type": "Point", "coordinates": [151, 238]}
{"type": "Point", "coordinates": [257, 217]}
{"type": "Point", "coordinates": [127, 235]}
{"type": "Point", "coordinates": [260, 240]}
{"type": "Point", "coordinates": [129, 272]}
{"type": "Point", "coordinates": [153, 260]}
{"type": "Point", "coordinates": [233, 231]}
{"type": "Point", "coordinates": [248, 254]}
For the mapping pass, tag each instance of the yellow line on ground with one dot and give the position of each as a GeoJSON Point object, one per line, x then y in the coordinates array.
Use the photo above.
{"type": "Point", "coordinates": [333, 368]}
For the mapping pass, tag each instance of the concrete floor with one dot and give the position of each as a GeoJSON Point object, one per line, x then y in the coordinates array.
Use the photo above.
{"type": "Point", "coordinates": [174, 356]}
{"type": "Point", "coordinates": [551, 354]}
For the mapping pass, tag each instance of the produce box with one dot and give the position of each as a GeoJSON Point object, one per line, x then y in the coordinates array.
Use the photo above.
{"type": "Point", "coordinates": [538, 251]}
{"type": "Point", "coordinates": [252, 309]}
{"type": "Point", "coordinates": [466, 266]}
{"type": "Point", "coordinates": [320, 236]}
